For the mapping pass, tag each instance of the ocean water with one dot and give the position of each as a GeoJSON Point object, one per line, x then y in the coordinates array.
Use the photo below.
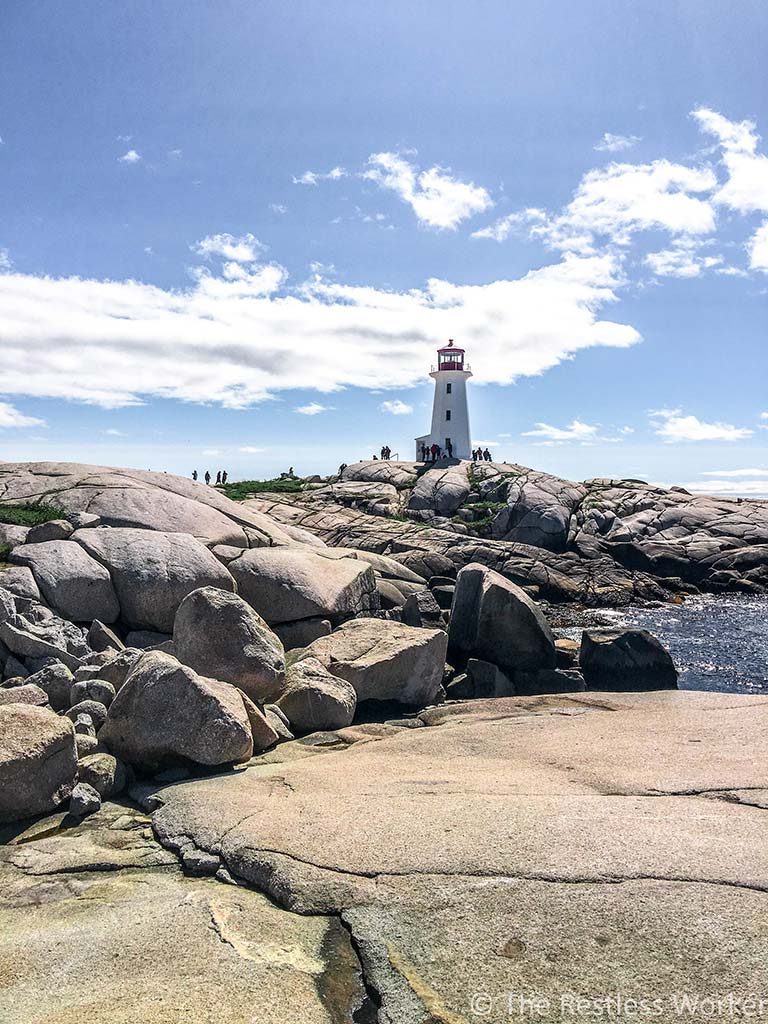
{"type": "Point", "coordinates": [718, 642]}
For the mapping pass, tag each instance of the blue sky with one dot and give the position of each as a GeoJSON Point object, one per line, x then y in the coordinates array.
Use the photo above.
{"type": "Point", "coordinates": [233, 234]}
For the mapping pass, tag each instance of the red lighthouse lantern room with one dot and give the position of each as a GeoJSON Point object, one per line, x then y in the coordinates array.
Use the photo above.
{"type": "Point", "coordinates": [450, 357]}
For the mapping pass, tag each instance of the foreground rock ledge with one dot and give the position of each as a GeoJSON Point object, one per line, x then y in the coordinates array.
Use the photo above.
{"type": "Point", "coordinates": [547, 843]}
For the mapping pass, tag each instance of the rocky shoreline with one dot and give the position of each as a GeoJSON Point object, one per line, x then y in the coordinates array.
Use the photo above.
{"type": "Point", "coordinates": [361, 711]}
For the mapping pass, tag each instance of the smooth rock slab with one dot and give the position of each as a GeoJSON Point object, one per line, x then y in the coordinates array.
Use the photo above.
{"type": "Point", "coordinates": [147, 945]}
{"type": "Point", "coordinates": [153, 572]}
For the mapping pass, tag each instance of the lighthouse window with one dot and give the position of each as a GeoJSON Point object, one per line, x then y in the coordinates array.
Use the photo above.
{"type": "Point", "coordinates": [448, 389]}
{"type": "Point", "coordinates": [447, 414]}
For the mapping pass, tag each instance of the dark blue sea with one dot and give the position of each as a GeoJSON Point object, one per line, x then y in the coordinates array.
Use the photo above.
{"type": "Point", "coordinates": [718, 642]}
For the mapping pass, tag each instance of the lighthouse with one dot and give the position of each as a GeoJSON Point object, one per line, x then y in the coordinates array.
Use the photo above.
{"type": "Point", "coordinates": [450, 414]}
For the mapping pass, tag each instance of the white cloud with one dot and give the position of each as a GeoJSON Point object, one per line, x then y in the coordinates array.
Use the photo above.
{"type": "Point", "coordinates": [249, 449]}
{"type": "Point", "coordinates": [438, 199]}
{"type": "Point", "coordinates": [735, 472]}
{"type": "Point", "coordinates": [486, 444]}
{"type": "Point", "coordinates": [237, 341]}
{"type": "Point", "coordinates": [758, 248]}
{"type": "Point", "coordinates": [212, 451]}
{"type": "Point", "coordinates": [683, 259]}
{"type": "Point", "coordinates": [396, 407]}
{"type": "Point", "coordinates": [278, 208]}
{"type": "Point", "coordinates": [313, 409]}
{"type": "Point", "coordinates": [131, 157]}
{"type": "Point", "coordinates": [746, 189]}
{"type": "Point", "coordinates": [124, 138]}
{"type": "Point", "coordinates": [674, 427]}
{"type": "Point", "coordinates": [10, 416]}
{"type": "Point", "coordinates": [5, 260]}
{"type": "Point", "coordinates": [313, 177]}
{"type": "Point", "coordinates": [114, 433]}
{"type": "Point", "coordinates": [575, 431]}
{"type": "Point", "coordinates": [728, 487]}
{"type": "Point", "coordinates": [236, 248]}
{"type": "Point", "coordinates": [175, 153]}
{"type": "Point", "coordinates": [615, 202]}
{"type": "Point", "coordinates": [611, 143]}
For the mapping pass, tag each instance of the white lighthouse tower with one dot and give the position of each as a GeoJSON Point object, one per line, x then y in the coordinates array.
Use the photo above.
{"type": "Point", "coordinates": [450, 415]}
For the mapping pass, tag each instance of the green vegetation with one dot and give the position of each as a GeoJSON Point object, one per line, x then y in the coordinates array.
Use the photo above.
{"type": "Point", "coordinates": [29, 515]}
{"type": "Point", "coordinates": [243, 489]}
{"type": "Point", "coordinates": [411, 522]}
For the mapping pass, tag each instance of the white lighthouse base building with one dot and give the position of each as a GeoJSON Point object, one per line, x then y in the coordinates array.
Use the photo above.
{"type": "Point", "coordinates": [450, 412]}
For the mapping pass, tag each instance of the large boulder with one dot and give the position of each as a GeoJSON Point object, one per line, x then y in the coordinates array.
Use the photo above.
{"type": "Point", "coordinates": [38, 761]}
{"type": "Point", "coordinates": [496, 621]}
{"type": "Point", "coordinates": [385, 660]}
{"type": "Point", "coordinates": [75, 585]}
{"type": "Point", "coordinates": [219, 635]}
{"type": "Point", "coordinates": [166, 712]}
{"type": "Point", "coordinates": [314, 699]}
{"type": "Point", "coordinates": [632, 659]}
{"type": "Point", "coordinates": [11, 536]}
{"type": "Point", "coordinates": [153, 572]}
{"type": "Point", "coordinates": [285, 584]}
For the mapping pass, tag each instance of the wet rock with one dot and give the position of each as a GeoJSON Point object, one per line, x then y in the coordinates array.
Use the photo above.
{"type": "Point", "coordinates": [38, 761]}
{"type": "Point", "coordinates": [632, 659]}
{"type": "Point", "coordinates": [496, 621]}
{"type": "Point", "coordinates": [221, 636]}
{"type": "Point", "coordinates": [487, 680]}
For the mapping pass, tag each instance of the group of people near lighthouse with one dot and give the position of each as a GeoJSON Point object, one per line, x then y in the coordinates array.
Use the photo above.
{"type": "Point", "coordinates": [433, 452]}
{"type": "Point", "coordinates": [481, 455]}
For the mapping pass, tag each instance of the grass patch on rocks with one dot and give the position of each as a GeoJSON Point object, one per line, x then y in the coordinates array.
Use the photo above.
{"type": "Point", "coordinates": [29, 515]}
{"type": "Point", "coordinates": [243, 489]}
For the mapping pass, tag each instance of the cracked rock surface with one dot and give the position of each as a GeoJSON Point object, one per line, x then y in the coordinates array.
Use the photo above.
{"type": "Point", "coordinates": [565, 842]}
{"type": "Point", "coordinates": [98, 923]}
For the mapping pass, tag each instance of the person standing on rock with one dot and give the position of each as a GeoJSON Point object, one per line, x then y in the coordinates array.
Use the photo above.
{"type": "Point", "coordinates": [224, 476]}
{"type": "Point", "coordinates": [218, 478]}
{"type": "Point", "coordinates": [487, 455]}
{"type": "Point", "coordinates": [449, 449]}
{"type": "Point", "coordinates": [207, 477]}
{"type": "Point", "coordinates": [194, 474]}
